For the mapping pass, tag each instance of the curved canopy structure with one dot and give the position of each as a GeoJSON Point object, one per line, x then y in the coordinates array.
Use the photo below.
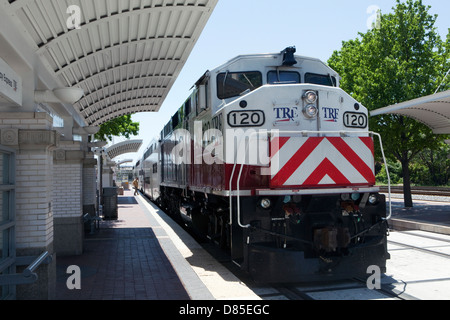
{"type": "Point", "coordinates": [433, 111]}
{"type": "Point", "coordinates": [124, 54]}
{"type": "Point", "coordinates": [124, 161]}
{"type": "Point", "coordinates": [129, 146]}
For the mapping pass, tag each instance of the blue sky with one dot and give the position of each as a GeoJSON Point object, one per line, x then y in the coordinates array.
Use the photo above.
{"type": "Point", "coordinates": [316, 28]}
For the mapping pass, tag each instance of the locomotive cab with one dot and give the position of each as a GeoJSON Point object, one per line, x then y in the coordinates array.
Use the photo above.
{"type": "Point", "coordinates": [277, 166]}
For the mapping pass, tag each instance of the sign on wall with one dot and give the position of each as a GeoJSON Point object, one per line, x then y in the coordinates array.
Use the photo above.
{"type": "Point", "coordinates": [10, 86]}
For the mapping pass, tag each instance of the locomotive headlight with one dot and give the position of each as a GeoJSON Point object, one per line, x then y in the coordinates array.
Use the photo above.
{"type": "Point", "coordinates": [355, 196]}
{"type": "Point", "coordinates": [310, 111]}
{"type": "Point", "coordinates": [373, 199]}
{"type": "Point", "coordinates": [265, 203]}
{"type": "Point", "coordinates": [310, 97]}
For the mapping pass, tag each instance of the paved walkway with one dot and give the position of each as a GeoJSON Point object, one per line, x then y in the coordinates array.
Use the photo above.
{"type": "Point", "coordinates": [429, 212]}
{"type": "Point", "coordinates": [145, 256]}
{"type": "Point", "coordinates": [123, 260]}
{"type": "Point", "coordinates": [425, 216]}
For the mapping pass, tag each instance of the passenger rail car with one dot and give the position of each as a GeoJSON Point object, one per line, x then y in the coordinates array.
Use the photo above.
{"type": "Point", "coordinates": [269, 158]}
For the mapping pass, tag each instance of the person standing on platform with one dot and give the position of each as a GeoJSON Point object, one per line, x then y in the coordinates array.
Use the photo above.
{"type": "Point", "coordinates": [136, 186]}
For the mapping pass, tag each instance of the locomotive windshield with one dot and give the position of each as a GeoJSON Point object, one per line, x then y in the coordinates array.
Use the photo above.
{"type": "Point", "coordinates": [232, 84]}
{"type": "Point", "coordinates": [325, 80]}
{"type": "Point", "coordinates": [283, 77]}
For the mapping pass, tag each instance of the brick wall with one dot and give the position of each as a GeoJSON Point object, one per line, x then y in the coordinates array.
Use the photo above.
{"type": "Point", "coordinates": [67, 190]}
{"type": "Point", "coordinates": [89, 181]}
{"type": "Point", "coordinates": [31, 135]}
{"type": "Point", "coordinates": [34, 205]}
{"type": "Point", "coordinates": [68, 184]}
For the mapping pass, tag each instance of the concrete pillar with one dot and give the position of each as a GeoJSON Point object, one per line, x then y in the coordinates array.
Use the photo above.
{"type": "Point", "coordinates": [107, 173]}
{"type": "Point", "coordinates": [89, 184]}
{"type": "Point", "coordinates": [68, 128]}
{"type": "Point", "coordinates": [68, 198]}
{"type": "Point", "coordinates": [31, 135]}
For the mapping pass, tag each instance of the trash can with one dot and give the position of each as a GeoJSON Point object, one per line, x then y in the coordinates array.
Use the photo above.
{"type": "Point", "coordinates": [110, 203]}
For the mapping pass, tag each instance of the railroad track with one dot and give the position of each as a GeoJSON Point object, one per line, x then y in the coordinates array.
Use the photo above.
{"type": "Point", "coordinates": [433, 249]}
{"type": "Point", "coordinates": [353, 289]}
{"type": "Point", "coordinates": [429, 191]}
{"type": "Point", "coordinates": [428, 246]}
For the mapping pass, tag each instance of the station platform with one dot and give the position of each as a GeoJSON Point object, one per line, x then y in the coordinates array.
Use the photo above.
{"type": "Point", "coordinates": [144, 255]}
{"type": "Point", "coordinates": [425, 216]}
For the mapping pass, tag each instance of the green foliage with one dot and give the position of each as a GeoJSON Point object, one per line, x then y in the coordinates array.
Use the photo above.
{"type": "Point", "coordinates": [445, 53]}
{"type": "Point", "coordinates": [121, 126]}
{"type": "Point", "coordinates": [432, 167]}
{"type": "Point", "coordinates": [401, 60]}
{"type": "Point", "coordinates": [395, 173]}
{"type": "Point", "coordinates": [429, 168]}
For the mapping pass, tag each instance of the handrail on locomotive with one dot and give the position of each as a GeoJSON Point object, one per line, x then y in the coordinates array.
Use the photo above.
{"type": "Point", "coordinates": [302, 133]}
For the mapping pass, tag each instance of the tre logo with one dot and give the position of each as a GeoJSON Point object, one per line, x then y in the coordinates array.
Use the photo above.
{"type": "Point", "coordinates": [330, 114]}
{"type": "Point", "coordinates": [286, 114]}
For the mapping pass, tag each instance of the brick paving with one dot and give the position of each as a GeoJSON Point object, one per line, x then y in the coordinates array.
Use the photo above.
{"type": "Point", "coordinates": [123, 260]}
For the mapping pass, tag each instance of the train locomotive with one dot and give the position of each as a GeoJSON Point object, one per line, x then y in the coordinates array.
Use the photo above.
{"type": "Point", "coordinates": [271, 160]}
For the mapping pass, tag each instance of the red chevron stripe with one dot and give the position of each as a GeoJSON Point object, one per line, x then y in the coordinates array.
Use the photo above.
{"type": "Point", "coordinates": [353, 158]}
{"type": "Point", "coordinates": [369, 143]}
{"type": "Point", "coordinates": [326, 168]}
{"type": "Point", "coordinates": [276, 144]}
{"type": "Point", "coordinates": [296, 160]}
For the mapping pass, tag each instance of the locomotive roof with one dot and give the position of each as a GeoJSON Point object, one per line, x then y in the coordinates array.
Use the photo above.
{"type": "Point", "coordinates": [261, 56]}
{"type": "Point", "coordinates": [267, 56]}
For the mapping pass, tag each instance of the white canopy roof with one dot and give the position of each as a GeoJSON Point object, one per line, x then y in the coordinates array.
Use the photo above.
{"type": "Point", "coordinates": [126, 54]}
{"type": "Point", "coordinates": [433, 111]}
{"type": "Point", "coordinates": [128, 146]}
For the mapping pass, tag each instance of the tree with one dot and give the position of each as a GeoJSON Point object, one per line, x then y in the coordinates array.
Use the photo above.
{"type": "Point", "coordinates": [121, 126]}
{"type": "Point", "coordinates": [445, 53]}
{"type": "Point", "coordinates": [435, 164]}
{"type": "Point", "coordinates": [402, 59]}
